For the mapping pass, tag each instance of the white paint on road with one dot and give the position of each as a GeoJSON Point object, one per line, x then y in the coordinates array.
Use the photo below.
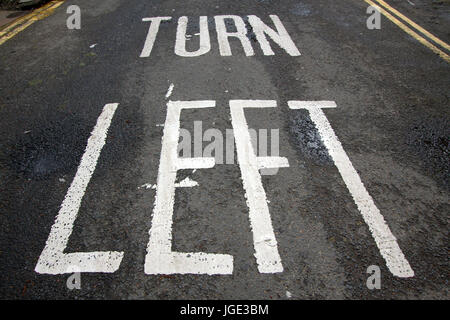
{"type": "Point", "coordinates": [160, 258]}
{"type": "Point", "coordinates": [385, 240]}
{"type": "Point", "coordinates": [186, 183]}
{"type": "Point", "coordinates": [280, 37]}
{"type": "Point", "coordinates": [265, 243]}
{"type": "Point", "coordinates": [223, 35]}
{"type": "Point", "coordinates": [180, 43]}
{"type": "Point", "coordinates": [272, 162]}
{"type": "Point", "coordinates": [151, 35]}
{"type": "Point", "coordinates": [168, 94]}
{"type": "Point", "coordinates": [148, 186]}
{"type": "Point", "coordinates": [53, 260]}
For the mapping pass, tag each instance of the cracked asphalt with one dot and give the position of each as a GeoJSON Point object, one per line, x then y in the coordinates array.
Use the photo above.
{"type": "Point", "coordinates": [392, 118]}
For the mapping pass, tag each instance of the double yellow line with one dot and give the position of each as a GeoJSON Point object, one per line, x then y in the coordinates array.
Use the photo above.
{"type": "Point", "coordinates": [438, 47]}
{"type": "Point", "coordinates": [24, 22]}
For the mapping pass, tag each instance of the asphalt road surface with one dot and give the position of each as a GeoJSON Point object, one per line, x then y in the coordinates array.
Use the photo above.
{"type": "Point", "coordinates": [89, 124]}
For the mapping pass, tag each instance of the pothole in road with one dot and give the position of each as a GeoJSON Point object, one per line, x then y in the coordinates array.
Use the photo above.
{"type": "Point", "coordinates": [307, 139]}
{"type": "Point", "coordinates": [45, 151]}
{"type": "Point", "coordinates": [429, 138]}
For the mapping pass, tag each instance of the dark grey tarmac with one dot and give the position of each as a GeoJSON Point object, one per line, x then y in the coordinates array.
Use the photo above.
{"type": "Point", "coordinates": [392, 117]}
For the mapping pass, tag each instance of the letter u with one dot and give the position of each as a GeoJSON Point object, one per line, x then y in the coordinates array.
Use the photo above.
{"type": "Point", "coordinates": [180, 43]}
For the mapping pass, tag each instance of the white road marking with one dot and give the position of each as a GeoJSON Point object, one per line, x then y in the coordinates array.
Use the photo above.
{"type": "Point", "coordinates": [53, 260]}
{"type": "Point", "coordinates": [385, 240]}
{"type": "Point", "coordinates": [265, 243]}
{"type": "Point", "coordinates": [272, 162]}
{"type": "Point", "coordinates": [280, 37]}
{"type": "Point", "coordinates": [151, 35]}
{"type": "Point", "coordinates": [186, 183]}
{"type": "Point", "coordinates": [168, 94]}
{"type": "Point", "coordinates": [148, 186]}
{"type": "Point", "coordinates": [160, 258]}
{"type": "Point", "coordinates": [180, 43]}
{"type": "Point", "coordinates": [223, 35]}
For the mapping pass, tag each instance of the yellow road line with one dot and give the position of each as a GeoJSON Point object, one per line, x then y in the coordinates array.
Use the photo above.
{"type": "Point", "coordinates": [415, 25]}
{"type": "Point", "coordinates": [24, 22]}
{"type": "Point", "coordinates": [419, 38]}
{"type": "Point", "coordinates": [21, 20]}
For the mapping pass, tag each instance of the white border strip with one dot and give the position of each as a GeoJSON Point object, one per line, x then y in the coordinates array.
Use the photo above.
{"type": "Point", "coordinates": [385, 240]}
{"type": "Point", "coordinates": [53, 260]}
